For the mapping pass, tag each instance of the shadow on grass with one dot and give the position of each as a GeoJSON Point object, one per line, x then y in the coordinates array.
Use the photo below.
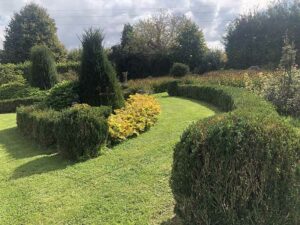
{"type": "Point", "coordinates": [40, 165]}
{"type": "Point", "coordinates": [19, 147]}
{"type": "Point", "coordinates": [172, 221]}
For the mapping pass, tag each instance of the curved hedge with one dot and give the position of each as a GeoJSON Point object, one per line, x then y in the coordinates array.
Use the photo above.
{"type": "Point", "coordinates": [10, 105]}
{"type": "Point", "coordinates": [236, 167]}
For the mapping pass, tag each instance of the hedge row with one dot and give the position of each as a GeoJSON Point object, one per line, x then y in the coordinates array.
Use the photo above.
{"type": "Point", "coordinates": [24, 68]}
{"type": "Point", "coordinates": [77, 132]}
{"type": "Point", "coordinates": [10, 105]}
{"type": "Point", "coordinates": [236, 167]}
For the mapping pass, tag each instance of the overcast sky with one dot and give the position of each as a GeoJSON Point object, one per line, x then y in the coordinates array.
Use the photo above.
{"type": "Point", "coordinates": [73, 16]}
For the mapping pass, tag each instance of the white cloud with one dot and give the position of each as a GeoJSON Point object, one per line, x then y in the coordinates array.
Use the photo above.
{"type": "Point", "coordinates": [73, 16]}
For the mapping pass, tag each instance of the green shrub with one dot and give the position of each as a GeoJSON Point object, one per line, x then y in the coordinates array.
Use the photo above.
{"type": "Point", "coordinates": [179, 70]}
{"type": "Point", "coordinates": [98, 81]}
{"type": "Point", "coordinates": [10, 105]}
{"type": "Point", "coordinates": [81, 133]}
{"type": "Point", "coordinates": [63, 95]}
{"type": "Point", "coordinates": [15, 90]}
{"type": "Point", "coordinates": [38, 124]}
{"type": "Point", "coordinates": [9, 74]}
{"type": "Point", "coordinates": [43, 69]}
{"type": "Point", "coordinates": [235, 169]}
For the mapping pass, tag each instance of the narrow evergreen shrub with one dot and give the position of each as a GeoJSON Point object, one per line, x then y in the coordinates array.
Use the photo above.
{"type": "Point", "coordinates": [236, 169]}
{"type": "Point", "coordinates": [179, 70]}
{"type": "Point", "coordinates": [98, 81]}
{"type": "Point", "coordinates": [81, 132]}
{"type": "Point", "coordinates": [43, 69]}
{"type": "Point", "coordinates": [63, 95]}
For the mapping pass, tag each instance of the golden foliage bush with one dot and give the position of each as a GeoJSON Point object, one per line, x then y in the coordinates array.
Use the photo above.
{"type": "Point", "coordinates": [139, 114]}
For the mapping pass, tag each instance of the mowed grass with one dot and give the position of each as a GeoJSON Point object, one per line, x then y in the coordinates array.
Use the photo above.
{"type": "Point", "coordinates": [126, 185]}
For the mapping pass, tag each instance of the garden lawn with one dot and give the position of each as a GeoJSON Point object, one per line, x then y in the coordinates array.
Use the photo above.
{"type": "Point", "coordinates": [126, 185]}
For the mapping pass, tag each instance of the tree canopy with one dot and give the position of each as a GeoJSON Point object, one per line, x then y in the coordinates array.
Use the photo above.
{"type": "Point", "coordinates": [31, 26]}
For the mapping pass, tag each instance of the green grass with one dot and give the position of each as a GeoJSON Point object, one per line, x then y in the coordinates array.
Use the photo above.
{"type": "Point", "coordinates": [126, 185]}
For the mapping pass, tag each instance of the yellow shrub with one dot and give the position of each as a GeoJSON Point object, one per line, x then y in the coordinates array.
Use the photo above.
{"type": "Point", "coordinates": [140, 113]}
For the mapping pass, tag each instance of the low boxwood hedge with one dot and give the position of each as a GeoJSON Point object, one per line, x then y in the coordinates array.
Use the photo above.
{"type": "Point", "coordinates": [77, 132]}
{"type": "Point", "coordinates": [10, 105]}
{"type": "Point", "coordinates": [236, 167]}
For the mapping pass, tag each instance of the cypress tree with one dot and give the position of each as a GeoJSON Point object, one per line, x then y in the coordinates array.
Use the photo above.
{"type": "Point", "coordinates": [98, 81]}
{"type": "Point", "coordinates": [43, 68]}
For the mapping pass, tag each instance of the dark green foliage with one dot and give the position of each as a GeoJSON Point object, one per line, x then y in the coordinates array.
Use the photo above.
{"type": "Point", "coordinates": [288, 57]}
{"type": "Point", "coordinates": [10, 105]}
{"type": "Point", "coordinates": [191, 46]}
{"type": "Point", "coordinates": [213, 60]}
{"type": "Point", "coordinates": [31, 26]}
{"type": "Point", "coordinates": [179, 70]}
{"type": "Point", "coordinates": [243, 160]}
{"type": "Point", "coordinates": [19, 90]}
{"type": "Point", "coordinates": [98, 81]}
{"type": "Point", "coordinates": [38, 124]}
{"type": "Point", "coordinates": [81, 132]}
{"type": "Point", "coordinates": [63, 95]}
{"type": "Point", "coordinates": [236, 170]}
{"type": "Point", "coordinates": [43, 69]}
{"type": "Point", "coordinates": [8, 74]}
{"type": "Point", "coordinates": [257, 38]}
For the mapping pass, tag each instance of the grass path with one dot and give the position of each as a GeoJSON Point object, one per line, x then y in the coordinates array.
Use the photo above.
{"type": "Point", "coordinates": [128, 185]}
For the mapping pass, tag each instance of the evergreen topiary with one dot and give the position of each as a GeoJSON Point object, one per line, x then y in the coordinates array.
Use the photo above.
{"type": "Point", "coordinates": [98, 81]}
{"type": "Point", "coordinates": [43, 68]}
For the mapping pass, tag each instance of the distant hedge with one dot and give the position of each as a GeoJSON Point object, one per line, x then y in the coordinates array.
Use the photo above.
{"type": "Point", "coordinates": [77, 132]}
{"type": "Point", "coordinates": [237, 167]}
{"type": "Point", "coordinates": [24, 68]}
{"type": "Point", "coordinates": [10, 105]}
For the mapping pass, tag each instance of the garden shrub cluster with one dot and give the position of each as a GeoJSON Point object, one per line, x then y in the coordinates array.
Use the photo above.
{"type": "Point", "coordinates": [237, 167]}
{"type": "Point", "coordinates": [15, 90]}
{"type": "Point", "coordinates": [78, 131]}
{"type": "Point", "coordinates": [139, 114]}
{"type": "Point", "coordinates": [10, 105]}
{"type": "Point", "coordinates": [9, 74]}
{"type": "Point", "coordinates": [63, 95]}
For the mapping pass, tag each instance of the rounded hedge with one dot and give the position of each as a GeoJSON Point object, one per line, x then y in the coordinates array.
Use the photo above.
{"type": "Point", "coordinates": [179, 70]}
{"type": "Point", "coordinates": [236, 169]}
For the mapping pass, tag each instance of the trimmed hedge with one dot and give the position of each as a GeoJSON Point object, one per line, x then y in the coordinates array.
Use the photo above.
{"type": "Point", "coordinates": [24, 68]}
{"type": "Point", "coordinates": [15, 90]}
{"type": "Point", "coordinates": [10, 105]}
{"type": "Point", "coordinates": [179, 70]}
{"type": "Point", "coordinates": [78, 132]}
{"type": "Point", "coordinates": [81, 133]}
{"type": "Point", "coordinates": [38, 124]}
{"type": "Point", "coordinates": [237, 167]}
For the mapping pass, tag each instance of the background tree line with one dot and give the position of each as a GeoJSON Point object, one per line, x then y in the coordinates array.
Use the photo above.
{"type": "Point", "coordinates": [257, 38]}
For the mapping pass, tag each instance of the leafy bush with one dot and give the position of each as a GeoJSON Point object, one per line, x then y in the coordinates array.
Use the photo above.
{"type": "Point", "coordinates": [98, 81]}
{"type": "Point", "coordinates": [38, 124]}
{"type": "Point", "coordinates": [81, 132]}
{"type": "Point", "coordinates": [43, 69]}
{"type": "Point", "coordinates": [9, 74]}
{"type": "Point", "coordinates": [140, 113]}
{"type": "Point", "coordinates": [63, 95]}
{"type": "Point", "coordinates": [15, 90]}
{"type": "Point", "coordinates": [236, 169]}
{"type": "Point", "coordinates": [179, 70]}
{"type": "Point", "coordinates": [10, 105]}
{"type": "Point", "coordinates": [283, 92]}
